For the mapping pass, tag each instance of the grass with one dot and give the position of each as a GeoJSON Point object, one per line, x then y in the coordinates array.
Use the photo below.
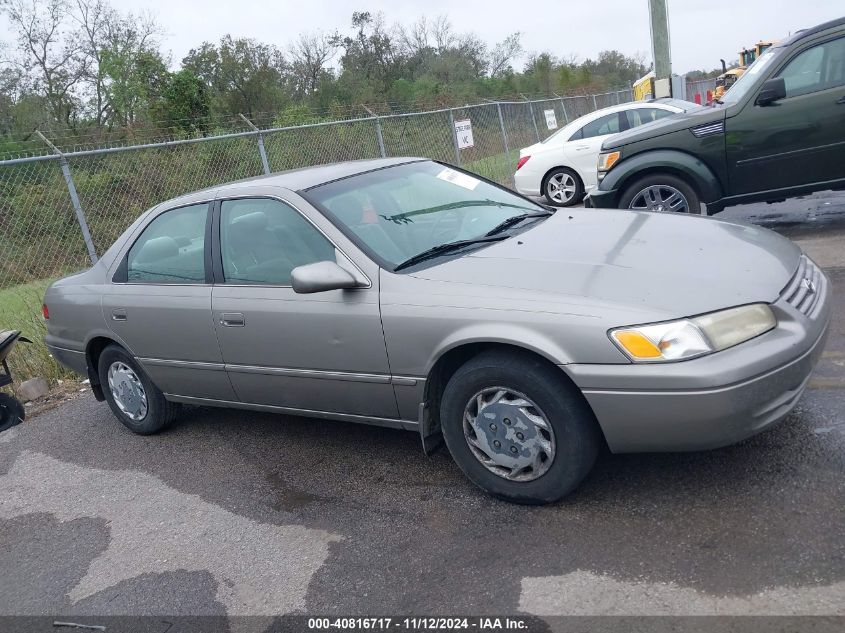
{"type": "Point", "coordinates": [20, 309]}
{"type": "Point", "coordinates": [498, 167]}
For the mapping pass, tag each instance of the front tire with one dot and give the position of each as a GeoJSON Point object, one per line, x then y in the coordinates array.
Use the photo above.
{"type": "Point", "coordinates": [132, 397]}
{"type": "Point", "coordinates": [12, 412]}
{"type": "Point", "coordinates": [662, 193]}
{"type": "Point", "coordinates": [562, 187]}
{"type": "Point", "coordinates": [517, 428]}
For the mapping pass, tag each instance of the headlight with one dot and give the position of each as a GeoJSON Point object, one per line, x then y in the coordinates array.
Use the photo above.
{"type": "Point", "coordinates": [688, 338]}
{"type": "Point", "coordinates": [608, 160]}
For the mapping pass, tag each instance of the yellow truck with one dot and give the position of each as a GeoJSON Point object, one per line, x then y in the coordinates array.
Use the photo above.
{"type": "Point", "coordinates": [747, 56]}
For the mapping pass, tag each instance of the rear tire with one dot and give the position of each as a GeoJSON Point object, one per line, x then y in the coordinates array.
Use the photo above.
{"type": "Point", "coordinates": [562, 187]}
{"type": "Point", "coordinates": [12, 412]}
{"type": "Point", "coordinates": [132, 397]}
{"type": "Point", "coordinates": [559, 456]}
{"type": "Point", "coordinates": [658, 192]}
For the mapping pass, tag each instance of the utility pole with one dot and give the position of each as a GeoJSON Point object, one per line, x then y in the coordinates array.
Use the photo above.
{"type": "Point", "coordinates": [659, 21]}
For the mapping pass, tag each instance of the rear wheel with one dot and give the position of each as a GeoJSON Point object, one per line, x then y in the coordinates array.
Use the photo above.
{"type": "Point", "coordinates": [133, 398]}
{"type": "Point", "coordinates": [12, 412]}
{"type": "Point", "coordinates": [563, 188]}
{"type": "Point", "coordinates": [517, 429]}
{"type": "Point", "coordinates": [662, 193]}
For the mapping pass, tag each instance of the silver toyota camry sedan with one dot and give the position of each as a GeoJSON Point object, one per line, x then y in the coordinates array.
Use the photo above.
{"type": "Point", "coordinates": [407, 293]}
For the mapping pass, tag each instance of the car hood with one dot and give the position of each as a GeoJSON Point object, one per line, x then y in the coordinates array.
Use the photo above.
{"type": "Point", "coordinates": [667, 125]}
{"type": "Point", "coordinates": [671, 265]}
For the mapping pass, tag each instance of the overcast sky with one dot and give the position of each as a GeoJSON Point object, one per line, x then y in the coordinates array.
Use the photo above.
{"type": "Point", "coordinates": [702, 31]}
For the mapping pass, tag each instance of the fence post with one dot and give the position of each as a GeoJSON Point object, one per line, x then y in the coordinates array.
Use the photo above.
{"type": "Point", "coordinates": [74, 199]}
{"type": "Point", "coordinates": [455, 138]}
{"type": "Point", "coordinates": [379, 134]}
{"type": "Point", "coordinates": [562, 107]}
{"type": "Point", "coordinates": [261, 149]}
{"type": "Point", "coordinates": [595, 104]}
{"type": "Point", "coordinates": [533, 120]}
{"type": "Point", "coordinates": [502, 127]}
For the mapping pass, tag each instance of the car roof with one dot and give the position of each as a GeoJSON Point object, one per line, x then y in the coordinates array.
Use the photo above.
{"type": "Point", "coordinates": [799, 35]}
{"type": "Point", "coordinates": [299, 179]}
{"type": "Point", "coordinates": [621, 107]}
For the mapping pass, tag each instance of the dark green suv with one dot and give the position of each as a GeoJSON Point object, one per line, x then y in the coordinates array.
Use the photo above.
{"type": "Point", "coordinates": [778, 132]}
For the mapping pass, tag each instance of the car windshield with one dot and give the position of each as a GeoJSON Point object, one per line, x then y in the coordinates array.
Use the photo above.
{"type": "Point", "coordinates": [745, 83]}
{"type": "Point", "coordinates": [400, 212]}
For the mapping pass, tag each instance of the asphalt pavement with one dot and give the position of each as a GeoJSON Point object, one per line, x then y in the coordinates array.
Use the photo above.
{"type": "Point", "coordinates": [238, 513]}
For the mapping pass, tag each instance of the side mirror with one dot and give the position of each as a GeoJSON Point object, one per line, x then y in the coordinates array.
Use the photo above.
{"type": "Point", "coordinates": [319, 277]}
{"type": "Point", "coordinates": [772, 90]}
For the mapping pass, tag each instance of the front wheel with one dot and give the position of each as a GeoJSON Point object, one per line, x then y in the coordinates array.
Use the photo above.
{"type": "Point", "coordinates": [663, 193]}
{"type": "Point", "coordinates": [12, 412]}
{"type": "Point", "coordinates": [517, 429]}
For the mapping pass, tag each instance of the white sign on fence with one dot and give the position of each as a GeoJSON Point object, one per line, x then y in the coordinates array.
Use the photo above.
{"type": "Point", "coordinates": [551, 121]}
{"type": "Point", "coordinates": [463, 130]}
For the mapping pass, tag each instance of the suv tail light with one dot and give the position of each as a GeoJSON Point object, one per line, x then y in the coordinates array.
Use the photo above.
{"type": "Point", "coordinates": [45, 311]}
{"type": "Point", "coordinates": [521, 162]}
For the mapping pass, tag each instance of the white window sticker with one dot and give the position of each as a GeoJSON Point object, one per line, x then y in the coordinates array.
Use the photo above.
{"type": "Point", "coordinates": [551, 120]}
{"type": "Point", "coordinates": [457, 178]}
{"type": "Point", "coordinates": [463, 130]}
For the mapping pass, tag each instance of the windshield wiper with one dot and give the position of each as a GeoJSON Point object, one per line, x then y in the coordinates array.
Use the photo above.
{"type": "Point", "coordinates": [448, 247]}
{"type": "Point", "coordinates": [513, 221]}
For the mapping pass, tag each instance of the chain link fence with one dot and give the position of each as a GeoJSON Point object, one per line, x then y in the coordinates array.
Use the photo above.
{"type": "Point", "coordinates": [59, 212]}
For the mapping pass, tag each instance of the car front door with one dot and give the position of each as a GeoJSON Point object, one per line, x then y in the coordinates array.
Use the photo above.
{"type": "Point", "coordinates": [159, 304]}
{"type": "Point", "coordinates": [582, 150]}
{"type": "Point", "coordinates": [797, 140]}
{"type": "Point", "coordinates": [302, 352]}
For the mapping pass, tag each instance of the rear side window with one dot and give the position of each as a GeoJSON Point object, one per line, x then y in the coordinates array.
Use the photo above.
{"type": "Point", "coordinates": [171, 249]}
{"type": "Point", "coordinates": [262, 240]}
{"type": "Point", "coordinates": [641, 116]}
{"type": "Point", "coordinates": [608, 124]}
{"type": "Point", "coordinates": [818, 68]}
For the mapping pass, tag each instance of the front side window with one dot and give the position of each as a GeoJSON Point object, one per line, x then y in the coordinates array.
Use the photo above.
{"type": "Point", "coordinates": [171, 249]}
{"type": "Point", "coordinates": [641, 116]}
{"type": "Point", "coordinates": [817, 68]}
{"type": "Point", "coordinates": [262, 240]}
{"type": "Point", "coordinates": [399, 212]}
{"type": "Point", "coordinates": [608, 124]}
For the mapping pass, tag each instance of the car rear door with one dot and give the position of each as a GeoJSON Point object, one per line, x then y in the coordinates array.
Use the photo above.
{"type": "Point", "coordinates": [302, 352]}
{"type": "Point", "coordinates": [159, 304]}
{"type": "Point", "coordinates": [584, 146]}
{"type": "Point", "coordinates": [797, 140]}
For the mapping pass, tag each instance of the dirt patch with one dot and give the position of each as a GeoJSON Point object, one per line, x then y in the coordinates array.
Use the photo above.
{"type": "Point", "coordinates": [61, 392]}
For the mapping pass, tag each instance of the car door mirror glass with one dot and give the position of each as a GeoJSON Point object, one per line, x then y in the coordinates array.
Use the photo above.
{"type": "Point", "coordinates": [772, 90]}
{"type": "Point", "coordinates": [320, 277]}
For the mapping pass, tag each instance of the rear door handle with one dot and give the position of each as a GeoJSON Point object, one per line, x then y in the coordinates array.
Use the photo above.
{"type": "Point", "coordinates": [841, 101]}
{"type": "Point", "coordinates": [118, 314]}
{"type": "Point", "coordinates": [232, 319]}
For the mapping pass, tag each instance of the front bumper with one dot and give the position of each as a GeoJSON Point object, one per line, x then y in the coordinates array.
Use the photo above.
{"type": "Point", "coordinates": [710, 401]}
{"type": "Point", "coordinates": [600, 199]}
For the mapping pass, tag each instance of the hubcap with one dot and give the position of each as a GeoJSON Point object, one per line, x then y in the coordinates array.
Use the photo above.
{"type": "Point", "coordinates": [127, 391]}
{"type": "Point", "coordinates": [509, 434]}
{"type": "Point", "coordinates": [660, 198]}
{"type": "Point", "coordinates": [561, 187]}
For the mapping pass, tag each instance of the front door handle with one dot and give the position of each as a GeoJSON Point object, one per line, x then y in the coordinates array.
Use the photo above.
{"type": "Point", "coordinates": [841, 101]}
{"type": "Point", "coordinates": [118, 314]}
{"type": "Point", "coordinates": [232, 319]}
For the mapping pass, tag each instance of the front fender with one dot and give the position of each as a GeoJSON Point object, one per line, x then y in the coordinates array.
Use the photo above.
{"type": "Point", "coordinates": [687, 165]}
